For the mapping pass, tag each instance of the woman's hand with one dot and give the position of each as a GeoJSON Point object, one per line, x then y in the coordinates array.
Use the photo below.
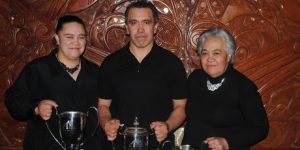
{"type": "Point", "coordinates": [44, 109]}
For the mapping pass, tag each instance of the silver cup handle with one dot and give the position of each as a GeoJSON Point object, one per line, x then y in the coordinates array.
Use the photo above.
{"type": "Point", "coordinates": [165, 142]}
{"type": "Point", "coordinates": [97, 125]}
{"type": "Point", "coordinates": [56, 112]}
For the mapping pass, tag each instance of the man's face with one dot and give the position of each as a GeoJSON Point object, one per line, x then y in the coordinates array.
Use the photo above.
{"type": "Point", "coordinates": [214, 58]}
{"type": "Point", "coordinates": [71, 40]}
{"type": "Point", "coordinates": [141, 28]}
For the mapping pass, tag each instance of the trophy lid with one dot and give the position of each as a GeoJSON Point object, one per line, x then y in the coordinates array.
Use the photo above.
{"type": "Point", "coordinates": [136, 129]}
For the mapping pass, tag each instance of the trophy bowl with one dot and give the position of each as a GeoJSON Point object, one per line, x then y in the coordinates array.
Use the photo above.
{"type": "Point", "coordinates": [72, 128]}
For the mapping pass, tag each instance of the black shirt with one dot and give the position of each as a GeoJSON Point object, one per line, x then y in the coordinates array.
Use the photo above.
{"type": "Point", "coordinates": [44, 78]}
{"type": "Point", "coordinates": [144, 90]}
{"type": "Point", "coordinates": [233, 111]}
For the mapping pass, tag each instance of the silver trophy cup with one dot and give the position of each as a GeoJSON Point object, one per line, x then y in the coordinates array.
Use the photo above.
{"type": "Point", "coordinates": [71, 127]}
{"type": "Point", "coordinates": [135, 138]}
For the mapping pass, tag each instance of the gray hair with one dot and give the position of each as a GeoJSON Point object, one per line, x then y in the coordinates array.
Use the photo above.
{"type": "Point", "coordinates": [221, 33]}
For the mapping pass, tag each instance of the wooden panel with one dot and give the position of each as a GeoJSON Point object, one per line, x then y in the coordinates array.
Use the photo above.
{"type": "Point", "coordinates": [267, 34]}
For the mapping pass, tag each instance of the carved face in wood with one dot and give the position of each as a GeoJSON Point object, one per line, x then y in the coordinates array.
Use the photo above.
{"type": "Point", "coordinates": [71, 41]}
{"type": "Point", "coordinates": [214, 57]}
{"type": "Point", "coordinates": [141, 28]}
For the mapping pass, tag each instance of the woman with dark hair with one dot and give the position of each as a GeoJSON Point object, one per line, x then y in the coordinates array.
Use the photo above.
{"type": "Point", "coordinates": [224, 108]}
{"type": "Point", "coordinates": [63, 79]}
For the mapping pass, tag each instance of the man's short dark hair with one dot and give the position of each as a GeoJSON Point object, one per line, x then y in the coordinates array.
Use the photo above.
{"type": "Point", "coordinates": [142, 4]}
{"type": "Point", "coordinates": [67, 19]}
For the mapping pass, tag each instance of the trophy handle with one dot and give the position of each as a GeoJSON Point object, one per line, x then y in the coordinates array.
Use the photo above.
{"type": "Point", "coordinates": [56, 112]}
{"type": "Point", "coordinates": [165, 142]}
{"type": "Point", "coordinates": [93, 108]}
{"type": "Point", "coordinates": [121, 129]}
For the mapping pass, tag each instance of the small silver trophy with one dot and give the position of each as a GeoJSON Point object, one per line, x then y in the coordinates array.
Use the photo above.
{"type": "Point", "coordinates": [135, 137]}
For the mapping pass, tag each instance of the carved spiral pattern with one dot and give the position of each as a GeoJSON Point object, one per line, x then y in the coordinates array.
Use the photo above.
{"type": "Point", "coordinates": [267, 34]}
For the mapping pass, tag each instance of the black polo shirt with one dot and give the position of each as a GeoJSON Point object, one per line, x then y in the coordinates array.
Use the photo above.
{"type": "Point", "coordinates": [44, 78]}
{"type": "Point", "coordinates": [144, 90]}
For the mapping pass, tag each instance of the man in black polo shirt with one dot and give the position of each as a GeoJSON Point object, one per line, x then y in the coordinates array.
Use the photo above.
{"type": "Point", "coordinates": [62, 79]}
{"type": "Point", "coordinates": [142, 80]}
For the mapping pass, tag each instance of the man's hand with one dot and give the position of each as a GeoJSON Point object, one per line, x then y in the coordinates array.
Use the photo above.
{"type": "Point", "coordinates": [111, 129]}
{"type": "Point", "coordinates": [44, 109]}
{"type": "Point", "coordinates": [161, 130]}
{"type": "Point", "coordinates": [217, 143]}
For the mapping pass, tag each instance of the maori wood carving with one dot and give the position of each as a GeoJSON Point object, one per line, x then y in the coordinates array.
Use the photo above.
{"type": "Point", "coordinates": [267, 34]}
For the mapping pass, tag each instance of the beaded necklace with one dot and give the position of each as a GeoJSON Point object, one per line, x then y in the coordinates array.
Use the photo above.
{"type": "Point", "coordinates": [68, 69]}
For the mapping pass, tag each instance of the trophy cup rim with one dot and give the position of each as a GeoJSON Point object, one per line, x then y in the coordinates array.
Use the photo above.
{"type": "Point", "coordinates": [136, 131]}
{"type": "Point", "coordinates": [72, 113]}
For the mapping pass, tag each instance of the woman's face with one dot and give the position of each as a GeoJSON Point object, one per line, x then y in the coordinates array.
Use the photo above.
{"type": "Point", "coordinates": [214, 58]}
{"type": "Point", "coordinates": [71, 40]}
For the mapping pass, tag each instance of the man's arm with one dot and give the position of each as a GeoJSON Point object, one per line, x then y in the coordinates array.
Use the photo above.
{"type": "Point", "coordinates": [178, 115]}
{"type": "Point", "coordinates": [109, 125]}
{"type": "Point", "coordinates": [104, 112]}
{"type": "Point", "coordinates": [175, 119]}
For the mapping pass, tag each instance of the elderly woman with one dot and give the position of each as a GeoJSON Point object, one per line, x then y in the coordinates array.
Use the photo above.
{"type": "Point", "coordinates": [224, 109]}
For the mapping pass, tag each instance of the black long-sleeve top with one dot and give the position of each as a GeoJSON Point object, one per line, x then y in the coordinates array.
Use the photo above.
{"type": "Point", "coordinates": [44, 78]}
{"type": "Point", "coordinates": [233, 111]}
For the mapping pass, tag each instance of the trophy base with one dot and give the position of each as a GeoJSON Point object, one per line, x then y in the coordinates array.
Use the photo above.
{"type": "Point", "coordinates": [73, 147]}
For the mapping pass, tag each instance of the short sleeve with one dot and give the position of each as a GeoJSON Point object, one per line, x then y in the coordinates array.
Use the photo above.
{"type": "Point", "coordinates": [178, 83]}
{"type": "Point", "coordinates": [104, 80]}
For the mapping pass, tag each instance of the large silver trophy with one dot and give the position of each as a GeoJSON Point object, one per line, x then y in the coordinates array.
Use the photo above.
{"type": "Point", "coordinates": [71, 127]}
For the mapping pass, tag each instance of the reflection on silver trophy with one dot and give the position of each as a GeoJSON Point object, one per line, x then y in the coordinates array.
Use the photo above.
{"type": "Point", "coordinates": [135, 138]}
{"type": "Point", "coordinates": [71, 127]}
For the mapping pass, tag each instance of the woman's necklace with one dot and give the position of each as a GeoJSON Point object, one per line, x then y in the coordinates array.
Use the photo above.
{"type": "Point", "coordinates": [69, 70]}
{"type": "Point", "coordinates": [213, 87]}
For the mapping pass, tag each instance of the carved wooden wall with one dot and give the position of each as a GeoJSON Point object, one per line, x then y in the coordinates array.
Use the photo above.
{"type": "Point", "coordinates": [267, 34]}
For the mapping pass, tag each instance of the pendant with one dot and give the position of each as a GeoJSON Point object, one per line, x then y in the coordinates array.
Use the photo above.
{"type": "Point", "coordinates": [213, 87]}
